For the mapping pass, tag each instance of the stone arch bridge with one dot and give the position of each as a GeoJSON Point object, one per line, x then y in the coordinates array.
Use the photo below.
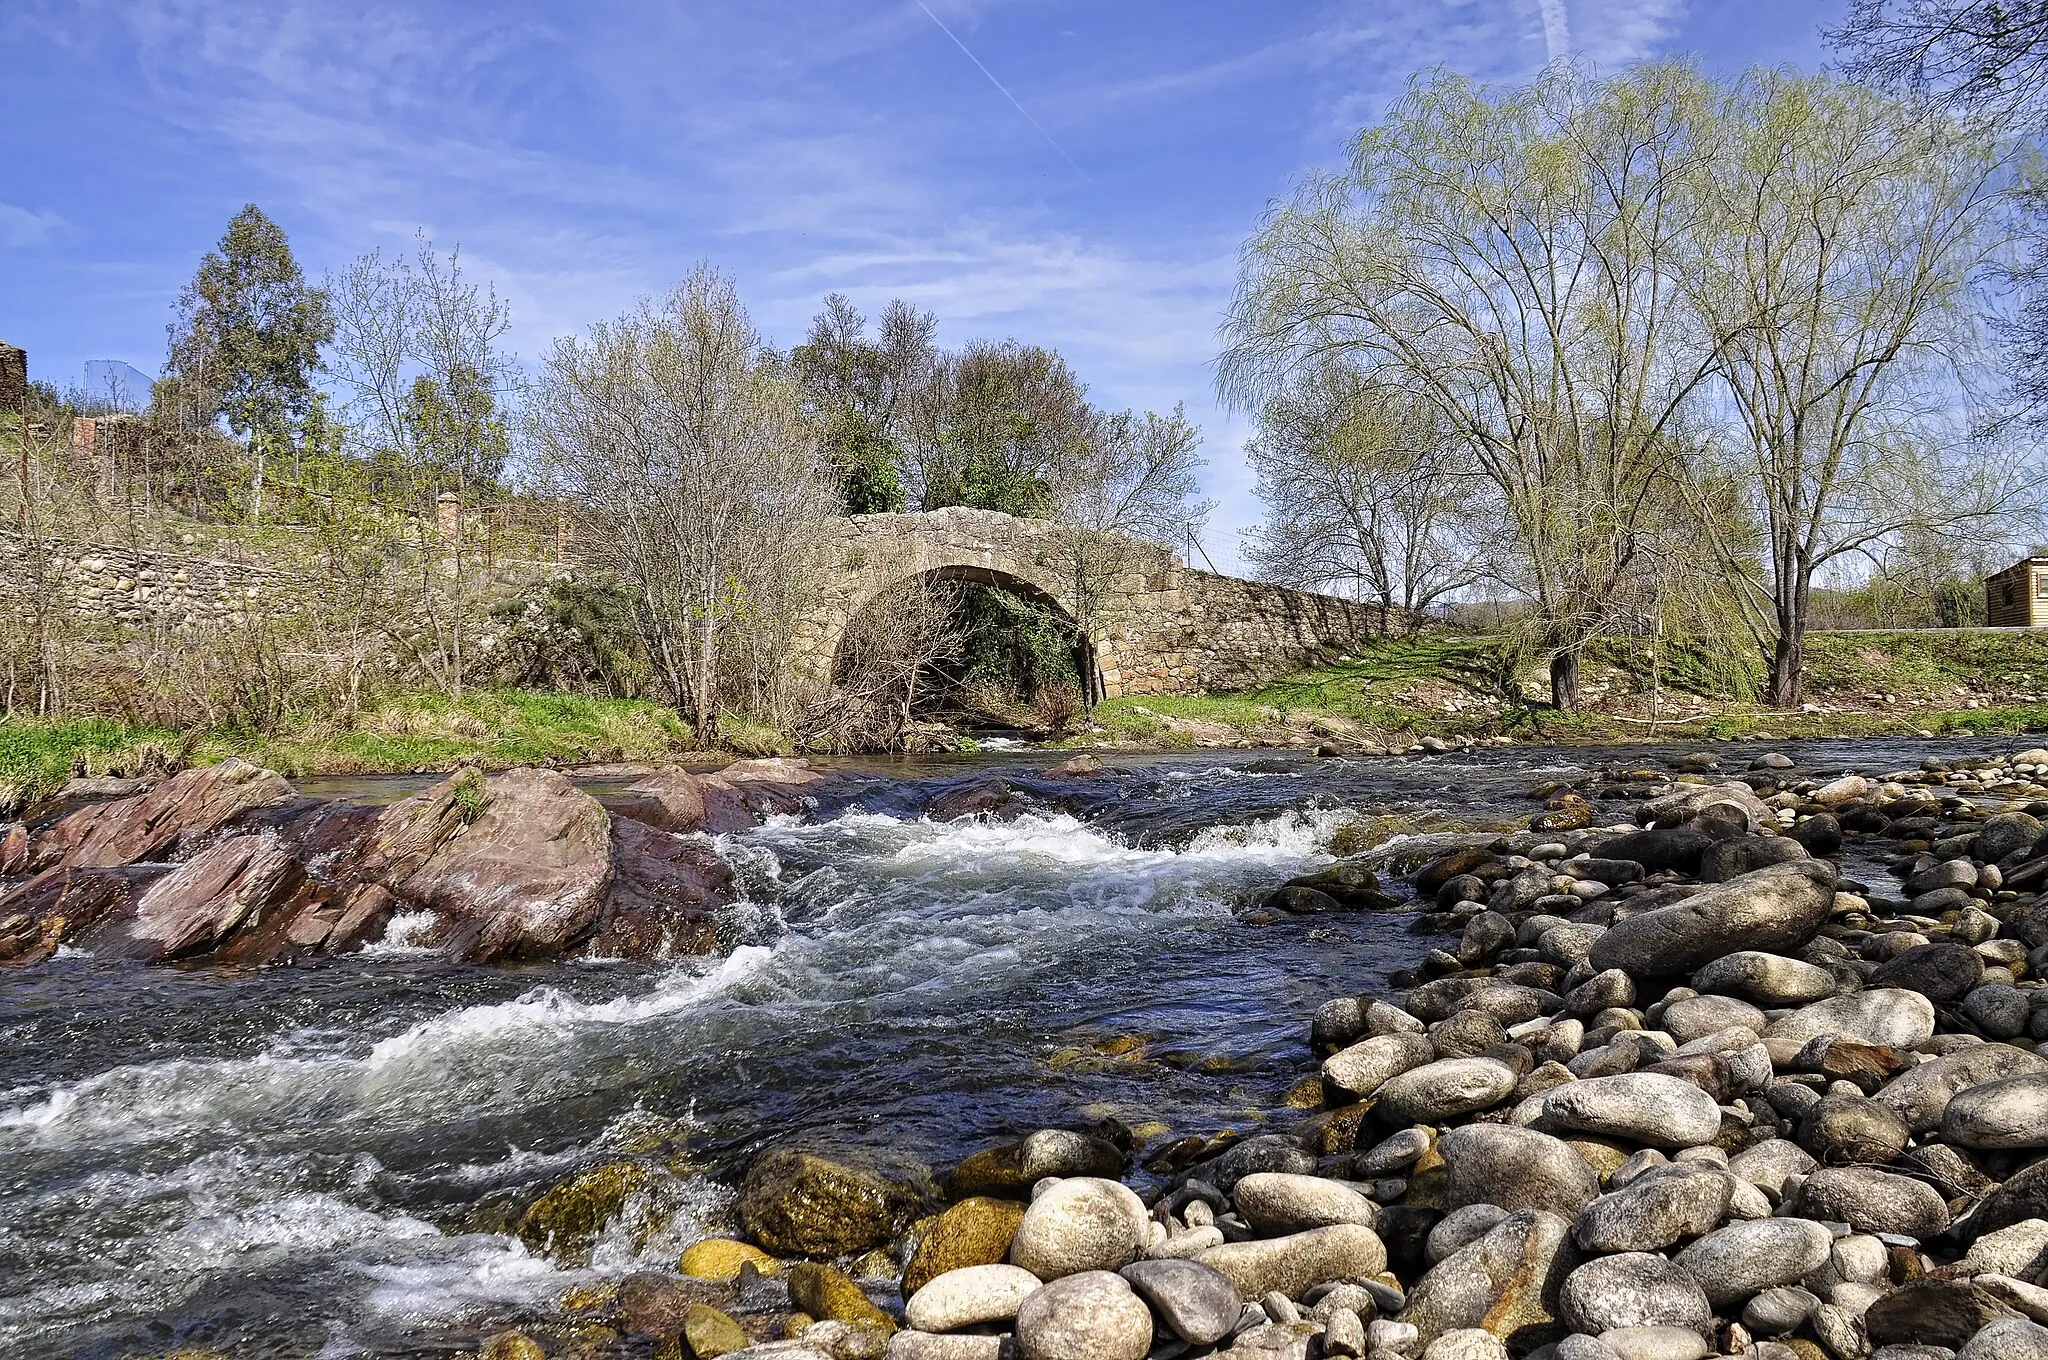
{"type": "Point", "coordinates": [1158, 627]}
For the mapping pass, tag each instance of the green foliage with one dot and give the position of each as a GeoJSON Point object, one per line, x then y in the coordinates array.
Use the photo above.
{"type": "Point", "coordinates": [580, 634]}
{"type": "Point", "coordinates": [866, 463]}
{"type": "Point", "coordinates": [249, 330]}
{"type": "Point", "coordinates": [458, 432]}
{"type": "Point", "coordinates": [471, 796]}
{"type": "Point", "coordinates": [1014, 646]}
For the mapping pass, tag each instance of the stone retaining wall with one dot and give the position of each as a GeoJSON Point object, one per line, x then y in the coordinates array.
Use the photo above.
{"type": "Point", "coordinates": [143, 586]}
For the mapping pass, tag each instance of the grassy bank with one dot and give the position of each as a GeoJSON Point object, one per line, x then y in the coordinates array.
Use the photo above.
{"type": "Point", "coordinates": [496, 728]}
{"type": "Point", "coordinates": [1449, 685]}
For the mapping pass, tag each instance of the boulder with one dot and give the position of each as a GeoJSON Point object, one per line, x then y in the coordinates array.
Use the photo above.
{"type": "Point", "coordinates": [1015, 1167]}
{"type": "Point", "coordinates": [2009, 1338]}
{"type": "Point", "coordinates": [1196, 1303]}
{"type": "Point", "coordinates": [1655, 1211]}
{"type": "Point", "coordinates": [239, 883]}
{"type": "Point", "coordinates": [1931, 1312]}
{"type": "Point", "coordinates": [743, 794]}
{"type": "Point", "coordinates": [664, 895]}
{"type": "Point", "coordinates": [801, 1203]}
{"type": "Point", "coordinates": [1769, 910]}
{"type": "Point", "coordinates": [1766, 979]}
{"type": "Point", "coordinates": [1081, 1224]}
{"type": "Point", "coordinates": [1748, 1257]}
{"type": "Point", "coordinates": [975, 1232]}
{"type": "Point", "coordinates": [1276, 1203]}
{"type": "Point", "coordinates": [1515, 1168]}
{"type": "Point", "coordinates": [525, 876]}
{"type": "Point", "coordinates": [711, 1332]}
{"type": "Point", "coordinates": [1442, 1090]}
{"type": "Point", "coordinates": [146, 826]}
{"type": "Point", "coordinates": [1886, 1015]}
{"type": "Point", "coordinates": [1362, 1068]}
{"type": "Point", "coordinates": [721, 1258]}
{"type": "Point", "coordinates": [1874, 1201]}
{"type": "Point", "coordinates": [1942, 972]}
{"type": "Point", "coordinates": [1505, 1283]}
{"type": "Point", "coordinates": [830, 1295]}
{"type": "Point", "coordinates": [1633, 1289]}
{"type": "Point", "coordinates": [1921, 1095]}
{"type": "Point", "coordinates": [2023, 1197]}
{"type": "Point", "coordinates": [1676, 848]}
{"type": "Point", "coordinates": [2012, 1113]}
{"type": "Point", "coordinates": [1728, 859]}
{"type": "Point", "coordinates": [1695, 1017]}
{"type": "Point", "coordinates": [1643, 1107]}
{"type": "Point", "coordinates": [969, 1297]}
{"type": "Point", "coordinates": [1300, 1261]}
{"type": "Point", "coordinates": [1854, 1129]}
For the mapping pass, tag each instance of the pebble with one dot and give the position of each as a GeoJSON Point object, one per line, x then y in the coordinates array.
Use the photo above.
{"type": "Point", "coordinates": [1643, 1107]}
{"type": "Point", "coordinates": [1633, 1289]}
{"type": "Point", "coordinates": [1744, 1259]}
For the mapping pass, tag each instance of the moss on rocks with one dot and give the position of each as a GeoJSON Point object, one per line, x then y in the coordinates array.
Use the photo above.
{"type": "Point", "coordinates": [720, 1258]}
{"type": "Point", "coordinates": [711, 1333]}
{"type": "Point", "coordinates": [830, 1295]}
{"type": "Point", "coordinates": [566, 1220]}
{"type": "Point", "coordinates": [796, 1203]}
{"type": "Point", "coordinates": [974, 1232]}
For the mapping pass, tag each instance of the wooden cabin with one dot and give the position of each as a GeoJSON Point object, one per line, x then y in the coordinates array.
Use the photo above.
{"type": "Point", "coordinates": [2018, 596]}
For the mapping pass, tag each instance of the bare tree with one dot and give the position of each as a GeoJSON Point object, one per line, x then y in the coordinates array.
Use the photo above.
{"type": "Point", "coordinates": [685, 453]}
{"type": "Point", "coordinates": [1366, 490]}
{"type": "Point", "coordinates": [1978, 58]}
{"type": "Point", "coordinates": [1117, 495]}
{"type": "Point", "coordinates": [1512, 255]}
{"type": "Point", "coordinates": [1840, 233]}
{"type": "Point", "coordinates": [887, 659]}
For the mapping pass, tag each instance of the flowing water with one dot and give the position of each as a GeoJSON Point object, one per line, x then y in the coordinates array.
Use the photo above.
{"type": "Point", "coordinates": [289, 1161]}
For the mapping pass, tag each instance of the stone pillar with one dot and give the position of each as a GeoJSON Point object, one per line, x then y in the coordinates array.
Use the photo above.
{"type": "Point", "coordinates": [13, 378]}
{"type": "Point", "coordinates": [448, 516]}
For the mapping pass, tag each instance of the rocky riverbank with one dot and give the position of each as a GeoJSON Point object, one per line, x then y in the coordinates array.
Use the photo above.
{"type": "Point", "coordinates": [229, 864]}
{"type": "Point", "coordinates": [1678, 1083]}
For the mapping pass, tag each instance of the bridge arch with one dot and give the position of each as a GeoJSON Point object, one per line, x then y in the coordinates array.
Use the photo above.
{"type": "Point", "coordinates": [1158, 628]}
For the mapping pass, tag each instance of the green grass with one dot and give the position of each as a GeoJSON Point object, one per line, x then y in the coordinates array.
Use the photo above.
{"type": "Point", "coordinates": [39, 758]}
{"type": "Point", "coordinates": [1396, 688]}
{"type": "Point", "coordinates": [493, 728]}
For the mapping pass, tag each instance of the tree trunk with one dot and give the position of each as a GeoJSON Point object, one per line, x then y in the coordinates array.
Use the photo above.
{"type": "Point", "coordinates": [1564, 681]}
{"type": "Point", "coordinates": [1787, 684]}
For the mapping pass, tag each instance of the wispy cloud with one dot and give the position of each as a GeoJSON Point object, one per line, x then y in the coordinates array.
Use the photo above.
{"type": "Point", "coordinates": [22, 228]}
{"type": "Point", "coordinates": [1616, 32]}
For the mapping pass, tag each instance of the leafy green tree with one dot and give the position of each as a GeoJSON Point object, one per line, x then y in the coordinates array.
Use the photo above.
{"type": "Point", "coordinates": [856, 391]}
{"type": "Point", "coordinates": [1014, 416]}
{"type": "Point", "coordinates": [246, 340]}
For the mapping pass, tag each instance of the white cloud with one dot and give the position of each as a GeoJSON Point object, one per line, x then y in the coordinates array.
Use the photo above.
{"type": "Point", "coordinates": [21, 228]}
{"type": "Point", "coordinates": [1616, 32]}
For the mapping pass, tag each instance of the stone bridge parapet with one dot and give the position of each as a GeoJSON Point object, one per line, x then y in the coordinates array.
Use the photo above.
{"type": "Point", "coordinates": [1158, 627]}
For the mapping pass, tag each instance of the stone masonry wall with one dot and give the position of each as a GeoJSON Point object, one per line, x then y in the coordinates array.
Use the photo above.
{"type": "Point", "coordinates": [144, 586]}
{"type": "Point", "coordinates": [1161, 628]}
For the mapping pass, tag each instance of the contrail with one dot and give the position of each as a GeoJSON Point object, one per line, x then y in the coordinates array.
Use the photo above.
{"type": "Point", "coordinates": [1557, 28]}
{"type": "Point", "coordinates": [1013, 98]}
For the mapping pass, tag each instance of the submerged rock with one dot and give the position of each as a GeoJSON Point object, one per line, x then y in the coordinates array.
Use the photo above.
{"type": "Point", "coordinates": [799, 1203]}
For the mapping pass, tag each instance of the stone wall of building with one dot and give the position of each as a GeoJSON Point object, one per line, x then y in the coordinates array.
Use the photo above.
{"type": "Point", "coordinates": [141, 586]}
{"type": "Point", "coordinates": [1159, 628]}
{"type": "Point", "coordinates": [13, 378]}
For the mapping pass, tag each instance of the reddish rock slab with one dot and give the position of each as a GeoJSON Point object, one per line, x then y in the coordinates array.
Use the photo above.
{"type": "Point", "coordinates": [243, 882]}
{"type": "Point", "coordinates": [525, 878]}
{"type": "Point", "coordinates": [58, 905]}
{"type": "Point", "coordinates": [743, 794]}
{"type": "Point", "coordinates": [148, 825]}
{"type": "Point", "coordinates": [664, 894]}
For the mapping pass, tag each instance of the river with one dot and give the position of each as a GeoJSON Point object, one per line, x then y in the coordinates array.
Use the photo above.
{"type": "Point", "coordinates": [290, 1162]}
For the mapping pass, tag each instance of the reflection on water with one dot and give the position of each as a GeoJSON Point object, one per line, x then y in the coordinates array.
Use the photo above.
{"type": "Point", "coordinates": [283, 1161]}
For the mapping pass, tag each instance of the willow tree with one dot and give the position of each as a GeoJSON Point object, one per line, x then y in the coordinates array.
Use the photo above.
{"type": "Point", "coordinates": [685, 451]}
{"type": "Point", "coordinates": [1840, 232]}
{"type": "Point", "coordinates": [1509, 256]}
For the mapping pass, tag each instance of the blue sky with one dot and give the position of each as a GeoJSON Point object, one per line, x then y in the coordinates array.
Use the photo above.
{"type": "Point", "coordinates": [1088, 189]}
